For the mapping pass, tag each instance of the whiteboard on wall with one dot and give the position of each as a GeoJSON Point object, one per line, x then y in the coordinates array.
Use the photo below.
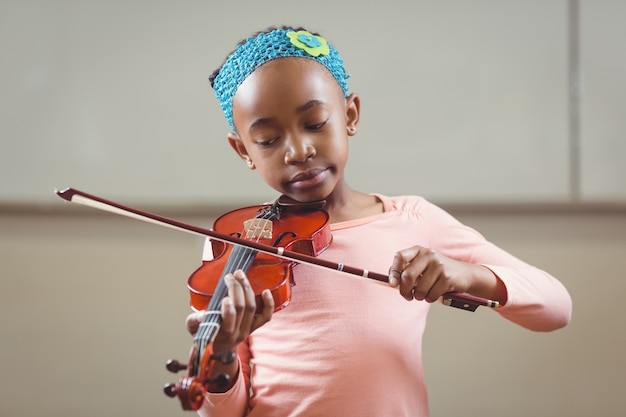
{"type": "Point", "coordinates": [461, 102]}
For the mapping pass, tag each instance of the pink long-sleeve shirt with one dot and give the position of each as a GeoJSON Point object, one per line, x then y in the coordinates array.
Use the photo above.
{"type": "Point", "coordinates": [353, 348]}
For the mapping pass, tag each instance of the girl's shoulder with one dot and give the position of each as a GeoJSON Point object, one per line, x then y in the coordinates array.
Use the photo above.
{"type": "Point", "coordinates": [403, 203]}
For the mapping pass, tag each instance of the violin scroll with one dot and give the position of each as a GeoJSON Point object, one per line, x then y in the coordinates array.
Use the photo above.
{"type": "Point", "coordinates": [190, 389]}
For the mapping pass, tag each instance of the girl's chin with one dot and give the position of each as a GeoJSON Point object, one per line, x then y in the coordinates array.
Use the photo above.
{"type": "Point", "coordinates": [308, 196]}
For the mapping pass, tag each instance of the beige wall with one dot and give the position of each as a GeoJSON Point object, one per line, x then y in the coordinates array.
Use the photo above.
{"type": "Point", "coordinates": [91, 306]}
{"type": "Point", "coordinates": [112, 96]}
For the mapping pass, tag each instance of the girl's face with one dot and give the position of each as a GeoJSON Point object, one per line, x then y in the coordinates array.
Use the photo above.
{"type": "Point", "coordinates": [292, 123]}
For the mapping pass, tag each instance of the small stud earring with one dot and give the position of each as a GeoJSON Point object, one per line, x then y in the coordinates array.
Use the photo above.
{"type": "Point", "coordinates": [352, 129]}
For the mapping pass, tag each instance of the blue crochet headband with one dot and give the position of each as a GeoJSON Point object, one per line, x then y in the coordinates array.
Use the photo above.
{"type": "Point", "coordinates": [268, 46]}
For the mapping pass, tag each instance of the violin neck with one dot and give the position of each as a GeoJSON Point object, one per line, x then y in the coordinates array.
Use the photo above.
{"type": "Point", "coordinates": [240, 258]}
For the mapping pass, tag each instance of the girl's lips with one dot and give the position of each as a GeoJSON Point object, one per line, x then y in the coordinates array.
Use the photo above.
{"type": "Point", "coordinates": [308, 178]}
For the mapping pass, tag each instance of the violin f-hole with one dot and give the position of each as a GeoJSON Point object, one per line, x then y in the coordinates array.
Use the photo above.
{"type": "Point", "coordinates": [281, 236]}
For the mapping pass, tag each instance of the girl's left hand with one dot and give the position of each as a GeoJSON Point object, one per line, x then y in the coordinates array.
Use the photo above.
{"type": "Point", "coordinates": [424, 274]}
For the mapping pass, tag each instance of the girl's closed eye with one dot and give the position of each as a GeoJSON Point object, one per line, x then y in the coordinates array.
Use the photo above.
{"type": "Point", "coordinates": [266, 141]}
{"type": "Point", "coordinates": [316, 126]}
{"type": "Point", "coordinates": [264, 135]}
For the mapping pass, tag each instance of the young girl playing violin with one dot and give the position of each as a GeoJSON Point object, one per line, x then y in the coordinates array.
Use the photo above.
{"type": "Point", "coordinates": [343, 347]}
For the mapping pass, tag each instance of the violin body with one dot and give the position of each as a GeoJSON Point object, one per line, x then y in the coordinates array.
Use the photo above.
{"type": "Point", "coordinates": [299, 228]}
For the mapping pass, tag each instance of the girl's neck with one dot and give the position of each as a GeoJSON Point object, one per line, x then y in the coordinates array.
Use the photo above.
{"type": "Point", "coordinates": [351, 205]}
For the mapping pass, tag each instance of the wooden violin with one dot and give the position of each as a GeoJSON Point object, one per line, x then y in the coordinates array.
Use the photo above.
{"type": "Point", "coordinates": [301, 228]}
{"type": "Point", "coordinates": [265, 241]}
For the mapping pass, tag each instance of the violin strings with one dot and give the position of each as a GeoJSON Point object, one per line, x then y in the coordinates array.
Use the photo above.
{"type": "Point", "coordinates": [240, 258]}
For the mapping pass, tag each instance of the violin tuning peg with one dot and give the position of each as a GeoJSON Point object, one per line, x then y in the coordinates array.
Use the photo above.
{"type": "Point", "coordinates": [220, 381]}
{"type": "Point", "coordinates": [174, 366]}
{"type": "Point", "coordinates": [170, 390]}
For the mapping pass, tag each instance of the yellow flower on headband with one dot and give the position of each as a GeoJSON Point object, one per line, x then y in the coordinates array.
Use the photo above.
{"type": "Point", "coordinates": [313, 45]}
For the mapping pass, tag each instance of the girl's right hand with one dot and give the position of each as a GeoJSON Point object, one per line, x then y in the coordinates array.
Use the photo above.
{"type": "Point", "coordinates": [238, 313]}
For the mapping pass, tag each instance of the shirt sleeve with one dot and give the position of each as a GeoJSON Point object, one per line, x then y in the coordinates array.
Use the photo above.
{"type": "Point", "coordinates": [232, 403]}
{"type": "Point", "coordinates": [536, 300]}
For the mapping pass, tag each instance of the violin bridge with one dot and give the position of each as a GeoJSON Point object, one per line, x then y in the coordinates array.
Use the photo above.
{"type": "Point", "coordinates": [258, 229]}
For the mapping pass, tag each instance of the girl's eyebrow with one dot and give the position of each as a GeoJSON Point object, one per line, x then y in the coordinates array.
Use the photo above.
{"type": "Point", "coordinates": [258, 122]}
{"type": "Point", "coordinates": [308, 105]}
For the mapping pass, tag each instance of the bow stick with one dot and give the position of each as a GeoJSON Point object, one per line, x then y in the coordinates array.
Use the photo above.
{"type": "Point", "coordinates": [454, 299]}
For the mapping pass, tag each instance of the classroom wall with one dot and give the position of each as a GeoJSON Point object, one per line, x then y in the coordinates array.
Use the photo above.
{"type": "Point", "coordinates": [506, 112]}
{"type": "Point", "coordinates": [481, 101]}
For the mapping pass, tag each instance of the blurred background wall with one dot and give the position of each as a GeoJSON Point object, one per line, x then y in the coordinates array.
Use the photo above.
{"type": "Point", "coordinates": [506, 113]}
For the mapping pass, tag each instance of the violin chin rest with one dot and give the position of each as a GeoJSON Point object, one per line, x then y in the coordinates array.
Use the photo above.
{"type": "Point", "coordinates": [286, 201]}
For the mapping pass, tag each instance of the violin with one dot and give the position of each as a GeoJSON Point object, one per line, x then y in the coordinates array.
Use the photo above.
{"type": "Point", "coordinates": [303, 228]}
{"type": "Point", "coordinates": [266, 242]}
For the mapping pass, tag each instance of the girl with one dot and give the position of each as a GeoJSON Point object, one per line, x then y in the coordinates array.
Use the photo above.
{"type": "Point", "coordinates": [344, 347]}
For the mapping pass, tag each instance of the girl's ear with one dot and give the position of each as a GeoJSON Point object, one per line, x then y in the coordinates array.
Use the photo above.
{"type": "Point", "coordinates": [237, 144]}
{"type": "Point", "coordinates": [353, 110]}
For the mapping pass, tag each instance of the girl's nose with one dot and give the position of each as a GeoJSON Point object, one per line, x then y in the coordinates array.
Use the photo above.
{"type": "Point", "coordinates": [299, 152]}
